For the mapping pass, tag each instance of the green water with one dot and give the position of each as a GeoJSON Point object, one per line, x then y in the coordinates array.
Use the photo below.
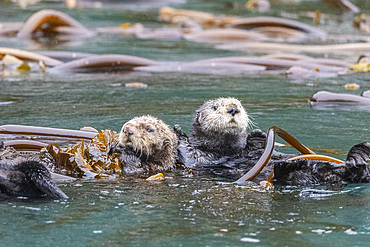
{"type": "Point", "coordinates": [181, 211]}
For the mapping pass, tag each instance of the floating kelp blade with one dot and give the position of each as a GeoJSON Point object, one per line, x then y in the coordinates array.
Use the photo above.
{"type": "Point", "coordinates": [317, 157]}
{"type": "Point", "coordinates": [324, 97]}
{"type": "Point", "coordinates": [283, 62]}
{"type": "Point", "coordinates": [203, 18]}
{"type": "Point", "coordinates": [45, 131]}
{"type": "Point", "coordinates": [366, 94]}
{"type": "Point", "coordinates": [28, 56]}
{"type": "Point", "coordinates": [25, 145]}
{"type": "Point", "coordinates": [224, 35]}
{"type": "Point", "coordinates": [48, 21]}
{"type": "Point", "coordinates": [65, 56]}
{"type": "Point", "coordinates": [344, 5]}
{"type": "Point", "coordinates": [265, 21]}
{"type": "Point", "coordinates": [351, 48]}
{"type": "Point", "coordinates": [270, 140]}
{"type": "Point", "coordinates": [98, 63]}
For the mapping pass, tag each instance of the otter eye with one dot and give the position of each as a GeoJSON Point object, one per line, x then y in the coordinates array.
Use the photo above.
{"type": "Point", "coordinates": [150, 130]}
{"type": "Point", "coordinates": [215, 107]}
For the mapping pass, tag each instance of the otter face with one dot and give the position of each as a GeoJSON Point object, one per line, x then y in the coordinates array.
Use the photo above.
{"type": "Point", "coordinates": [146, 135]}
{"type": "Point", "coordinates": [222, 115]}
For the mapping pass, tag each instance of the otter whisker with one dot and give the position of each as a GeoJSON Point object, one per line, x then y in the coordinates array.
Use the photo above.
{"type": "Point", "coordinates": [141, 150]}
{"type": "Point", "coordinates": [147, 156]}
{"type": "Point", "coordinates": [250, 122]}
{"type": "Point", "coordinates": [147, 152]}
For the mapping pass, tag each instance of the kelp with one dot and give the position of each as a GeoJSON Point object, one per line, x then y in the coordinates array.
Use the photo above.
{"type": "Point", "coordinates": [24, 145]}
{"type": "Point", "coordinates": [91, 63]}
{"type": "Point", "coordinates": [361, 66]}
{"type": "Point", "coordinates": [99, 63]}
{"type": "Point", "coordinates": [28, 56]}
{"type": "Point", "coordinates": [266, 21]}
{"type": "Point", "coordinates": [346, 49]}
{"type": "Point", "coordinates": [90, 161]}
{"type": "Point", "coordinates": [205, 19]}
{"type": "Point", "coordinates": [13, 129]}
{"type": "Point", "coordinates": [344, 5]}
{"type": "Point", "coordinates": [48, 21]}
{"type": "Point", "coordinates": [324, 97]}
{"type": "Point", "coordinates": [266, 155]}
{"type": "Point", "coordinates": [209, 20]}
{"type": "Point", "coordinates": [224, 35]}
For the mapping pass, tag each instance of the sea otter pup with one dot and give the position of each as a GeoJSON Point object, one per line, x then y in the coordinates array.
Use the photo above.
{"type": "Point", "coordinates": [146, 145]}
{"type": "Point", "coordinates": [27, 178]}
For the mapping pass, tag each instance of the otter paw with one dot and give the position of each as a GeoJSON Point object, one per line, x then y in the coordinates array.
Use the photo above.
{"type": "Point", "coordinates": [115, 148]}
{"type": "Point", "coordinates": [179, 132]}
{"type": "Point", "coordinates": [359, 154]}
{"type": "Point", "coordinates": [130, 164]}
{"type": "Point", "coordinates": [256, 139]}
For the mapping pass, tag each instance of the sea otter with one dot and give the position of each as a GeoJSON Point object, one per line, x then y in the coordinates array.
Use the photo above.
{"type": "Point", "coordinates": [219, 145]}
{"type": "Point", "coordinates": [220, 127]}
{"type": "Point", "coordinates": [219, 132]}
{"type": "Point", "coordinates": [27, 178]}
{"type": "Point", "coordinates": [146, 145]}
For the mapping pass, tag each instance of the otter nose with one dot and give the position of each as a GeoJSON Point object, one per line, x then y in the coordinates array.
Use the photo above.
{"type": "Point", "coordinates": [233, 110]}
{"type": "Point", "coordinates": [128, 131]}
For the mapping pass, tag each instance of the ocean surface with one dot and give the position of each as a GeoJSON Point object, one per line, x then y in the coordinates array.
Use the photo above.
{"type": "Point", "coordinates": [183, 211]}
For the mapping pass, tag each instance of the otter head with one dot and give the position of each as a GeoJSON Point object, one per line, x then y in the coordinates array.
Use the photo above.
{"type": "Point", "coordinates": [152, 140]}
{"type": "Point", "coordinates": [220, 125]}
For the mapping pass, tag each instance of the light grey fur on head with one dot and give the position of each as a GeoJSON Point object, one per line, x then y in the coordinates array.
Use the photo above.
{"type": "Point", "coordinates": [217, 130]}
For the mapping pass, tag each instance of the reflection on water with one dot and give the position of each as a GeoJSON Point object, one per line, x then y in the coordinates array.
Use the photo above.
{"type": "Point", "coordinates": [342, 106]}
{"type": "Point", "coordinates": [182, 211]}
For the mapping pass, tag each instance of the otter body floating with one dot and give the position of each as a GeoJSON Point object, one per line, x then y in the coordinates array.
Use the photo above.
{"type": "Point", "coordinates": [27, 178]}
{"type": "Point", "coordinates": [298, 170]}
{"type": "Point", "coordinates": [323, 97]}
